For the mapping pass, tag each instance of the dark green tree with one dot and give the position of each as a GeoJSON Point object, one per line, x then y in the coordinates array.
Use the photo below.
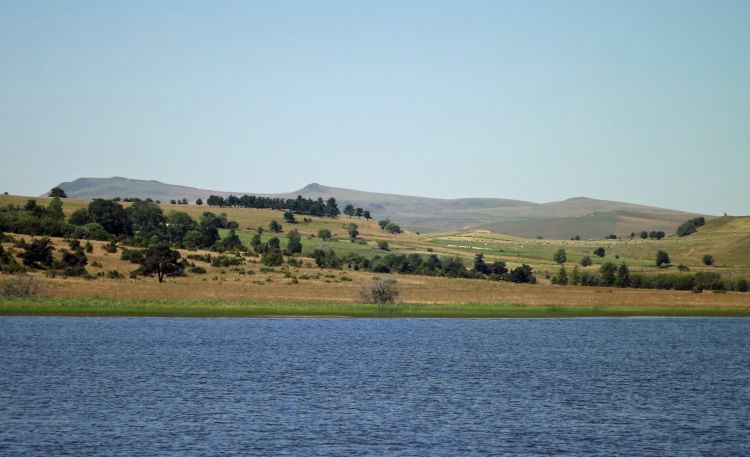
{"type": "Point", "coordinates": [349, 210]}
{"type": "Point", "coordinates": [479, 265]}
{"type": "Point", "coordinates": [708, 260]}
{"type": "Point", "coordinates": [560, 256]}
{"type": "Point", "coordinates": [383, 245]}
{"type": "Point", "coordinates": [38, 253]}
{"type": "Point", "coordinates": [367, 215]}
{"type": "Point", "coordinates": [80, 217]}
{"type": "Point", "coordinates": [160, 260]}
{"type": "Point", "coordinates": [55, 209]}
{"type": "Point", "coordinates": [324, 234]}
{"type": "Point", "coordinates": [608, 272]}
{"type": "Point", "coordinates": [272, 255]}
{"type": "Point", "coordinates": [351, 229]}
{"type": "Point", "coordinates": [110, 215]}
{"type": "Point", "coordinates": [57, 192]}
{"type": "Point", "coordinates": [294, 242]}
{"type": "Point", "coordinates": [274, 226]}
{"type": "Point", "coordinates": [623, 276]}
{"type": "Point", "coordinates": [562, 276]}
{"type": "Point", "coordinates": [289, 217]}
{"type": "Point", "coordinates": [331, 208]}
{"type": "Point", "coordinates": [393, 228]}
{"type": "Point", "coordinates": [586, 261]}
{"type": "Point", "coordinates": [600, 252]}
{"type": "Point", "coordinates": [147, 221]}
{"type": "Point", "coordinates": [383, 223]}
{"type": "Point", "coordinates": [198, 201]}
{"type": "Point", "coordinates": [644, 235]}
{"type": "Point", "coordinates": [662, 259]}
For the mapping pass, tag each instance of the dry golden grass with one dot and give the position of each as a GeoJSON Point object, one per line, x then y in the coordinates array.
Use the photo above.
{"type": "Point", "coordinates": [343, 286]}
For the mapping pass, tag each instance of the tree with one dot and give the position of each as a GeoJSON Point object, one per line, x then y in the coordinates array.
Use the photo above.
{"type": "Point", "coordinates": [662, 258]}
{"type": "Point", "coordinates": [608, 271]}
{"type": "Point", "coordinates": [80, 217]}
{"type": "Point", "coordinates": [289, 217]}
{"type": "Point", "coordinates": [349, 210]}
{"type": "Point", "coordinates": [623, 276]}
{"type": "Point", "coordinates": [522, 274]}
{"type": "Point", "coordinates": [351, 229]}
{"type": "Point", "coordinates": [256, 244]}
{"type": "Point", "coordinates": [742, 285]}
{"type": "Point", "coordinates": [160, 260]}
{"type": "Point", "coordinates": [147, 221]}
{"type": "Point", "coordinates": [294, 242]}
{"type": "Point", "coordinates": [198, 201]}
{"type": "Point", "coordinates": [575, 276]}
{"type": "Point", "coordinates": [479, 265]}
{"type": "Point", "coordinates": [57, 192]}
{"type": "Point", "coordinates": [560, 256]}
{"type": "Point", "coordinates": [393, 228]}
{"type": "Point", "coordinates": [173, 202]}
{"type": "Point", "coordinates": [367, 215]}
{"type": "Point", "coordinates": [274, 226]}
{"type": "Point", "coordinates": [331, 208]}
{"type": "Point", "coordinates": [209, 227]}
{"type": "Point", "coordinates": [708, 260]}
{"type": "Point", "coordinates": [272, 253]}
{"type": "Point", "coordinates": [324, 234]}
{"type": "Point", "coordinates": [55, 209]}
{"type": "Point", "coordinates": [562, 276]}
{"type": "Point", "coordinates": [600, 252]}
{"type": "Point", "coordinates": [383, 245]}
{"type": "Point", "coordinates": [384, 223]}
{"type": "Point", "coordinates": [38, 253]}
{"type": "Point", "coordinates": [110, 215]}
{"type": "Point", "coordinates": [359, 212]}
{"type": "Point", "coordinates": [178, 225]}
{"type": "Point", "coordinates": [586, 261]}
{"type": "Point", "coordinates": [231, 242]}
{"type": "Point", "coordinates": [73, 262]}
{"type": "Point", "coordinates": [644, 235]}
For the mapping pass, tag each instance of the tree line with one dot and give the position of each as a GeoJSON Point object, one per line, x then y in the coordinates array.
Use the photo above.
{"type": "Point", "coordinates": [299, 205]}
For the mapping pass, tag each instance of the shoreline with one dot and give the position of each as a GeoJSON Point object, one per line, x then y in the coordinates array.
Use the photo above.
{"type": "Point", "coordinates": [106, 307]}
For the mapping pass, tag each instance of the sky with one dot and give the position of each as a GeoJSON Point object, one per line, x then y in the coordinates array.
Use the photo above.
{"type": "Point", "coordinates": [646, 102]}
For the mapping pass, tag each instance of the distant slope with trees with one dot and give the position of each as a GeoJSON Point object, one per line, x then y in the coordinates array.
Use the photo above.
{"type": "Point", "coordinates": [584, 217]}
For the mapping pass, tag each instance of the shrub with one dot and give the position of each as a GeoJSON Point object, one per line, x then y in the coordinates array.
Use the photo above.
{"type": "Point", "coordinates": [324, 234]}
{"type": "Point", "coordinates": [379, 292]}
{"type": "Point", "coordinates": [114, 274]}
{"type": "Point", "coordinates": [197, 270]}
{"type": "Point", "coordinates": [20, 286]}
{"type": "Point", "coordinates": [383, 245]}
{"type": "Point", "coordinates": [111, 247]}
{"type": "Point", "coordinates": [586, 261]}
{"type": "Point", "coordinates": [708, 260]}
{"type": "Point", "coordinates": [600, 252]}
{"type": "Point", "coordinates": [742, 285]}
{"type": "Point", "coordinates": [662, 259]}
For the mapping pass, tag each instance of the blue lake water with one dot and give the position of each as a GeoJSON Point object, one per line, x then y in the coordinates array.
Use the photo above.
{"type": "Point", "coordinates": [151, 386]}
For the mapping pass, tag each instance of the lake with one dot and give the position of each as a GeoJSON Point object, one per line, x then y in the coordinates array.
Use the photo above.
{"type": "Point", "coordinates": [432, 387]}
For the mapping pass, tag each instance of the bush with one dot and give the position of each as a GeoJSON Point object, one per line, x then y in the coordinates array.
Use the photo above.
{"type": "Point", "coordinates": [742, 285]}
{"type": "Point", "coordinates": [586, 261]}
{"type": "Point", "coordinates": [600, 252]}
{"type": "Point", "coordinates": [197, 270]}
{"type": "Point", "coordinates": [114, 274]}
{"type": "Point", "coordinates": [662, 259]}
{"type": "Point", "coordinates": [708, 260]}
{"type": "Point", "coordinates": [383, 245]}
{"type": "Point", "coordinates": [20, 286]}
{"type": "Point", "coordinates": [560, 256]}
{"type": "Point", "coordinates": [379, 292]}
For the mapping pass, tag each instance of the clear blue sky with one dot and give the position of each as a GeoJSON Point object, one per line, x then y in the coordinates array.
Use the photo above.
{"type": "Point", "coordinates": [646, 102]}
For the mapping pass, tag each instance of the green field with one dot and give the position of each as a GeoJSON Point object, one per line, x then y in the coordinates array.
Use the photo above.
{"type": "Point", "coordinates": [58, 306]}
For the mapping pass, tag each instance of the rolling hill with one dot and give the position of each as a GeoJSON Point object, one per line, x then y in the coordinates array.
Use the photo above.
{"type": "Point", "coordinates": [587, 217]}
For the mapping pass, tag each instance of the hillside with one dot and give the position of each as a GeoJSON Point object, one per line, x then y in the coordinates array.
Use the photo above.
{"type": "Point", "coordinates": [587, 217]}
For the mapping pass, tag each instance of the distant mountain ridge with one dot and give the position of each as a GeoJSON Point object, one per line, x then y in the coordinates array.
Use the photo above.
{"type": "Point", "coordinates": [587, 217]}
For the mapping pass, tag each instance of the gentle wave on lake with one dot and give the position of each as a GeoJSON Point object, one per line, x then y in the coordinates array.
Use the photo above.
{"type": "Point", "coordinates": [304, 387]}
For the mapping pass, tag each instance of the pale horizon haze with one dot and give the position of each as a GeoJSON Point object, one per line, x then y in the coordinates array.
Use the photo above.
{"type": "Point", "coordinates": [643, 102]}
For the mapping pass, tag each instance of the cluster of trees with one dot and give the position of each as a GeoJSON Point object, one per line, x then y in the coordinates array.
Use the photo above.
{"type": "Point", "coordinates": [143, 223]}
{"type": "Point", "coordinates": [611, 275]}
{"type": "Point", "coordinates": [351, 211]}
{"type": "Point", "coordinates": [389, 226]}
{"type": "Point", "coordinates": [184, 201]}
{"type": "Point", "coordinates": [691, 226]}
{"type": "Point", "coordinates": [300, 205]}
{"type": "Point", "coordinates": [653, 234]}
{"type": "Point", "coordinates": [432, 265]}
{"type": "Point", "coordinates": [37, 254]}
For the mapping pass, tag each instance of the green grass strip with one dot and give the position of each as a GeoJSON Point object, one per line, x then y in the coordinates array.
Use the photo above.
{"type": "Point", "coordinates": [70, 306]}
